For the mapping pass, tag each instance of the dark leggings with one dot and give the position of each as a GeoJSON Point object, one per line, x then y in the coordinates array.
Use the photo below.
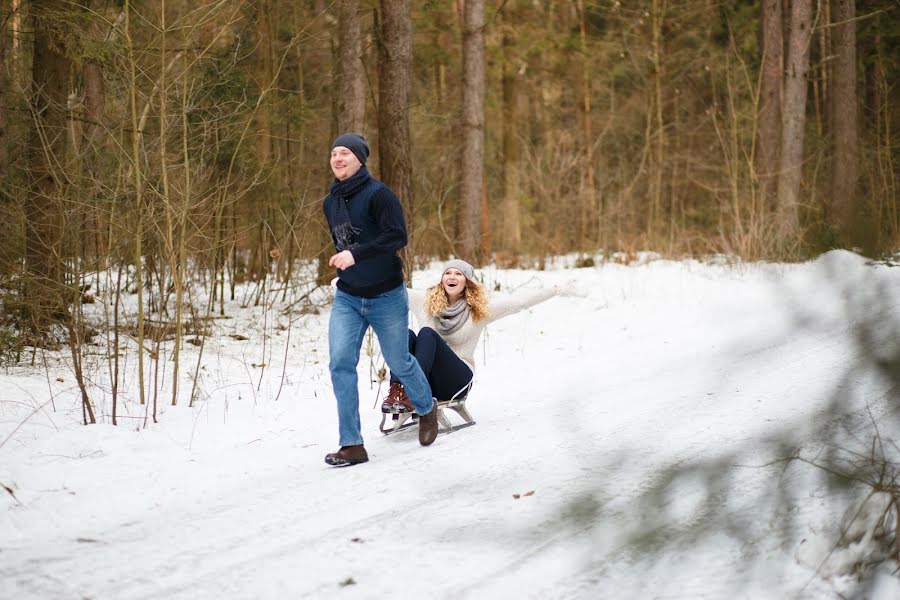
{"type": "Point", "coordinates": [446, 372]}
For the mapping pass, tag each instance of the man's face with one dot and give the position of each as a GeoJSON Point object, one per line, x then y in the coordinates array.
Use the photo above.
{"type": "Point", "coordinates": [344, 163]}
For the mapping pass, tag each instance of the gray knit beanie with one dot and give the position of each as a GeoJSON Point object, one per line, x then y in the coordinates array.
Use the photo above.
{"type": "Point", "coordinates": [355, 143]}
{"type": "Point", "coordinates": [463, 266]}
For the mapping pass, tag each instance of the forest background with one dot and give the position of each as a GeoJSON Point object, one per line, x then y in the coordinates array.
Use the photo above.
{"type": "Point", "coordinates": [150, 147]}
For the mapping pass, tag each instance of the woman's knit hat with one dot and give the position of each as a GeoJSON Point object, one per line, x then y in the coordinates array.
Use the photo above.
{"type": "Point", "coordinates": [355, 143]}
{"type": "Point", "coordinates": [463, 266]}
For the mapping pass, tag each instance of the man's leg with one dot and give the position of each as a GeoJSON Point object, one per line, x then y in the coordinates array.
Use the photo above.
{"type": "Point", "coordinates": [412, 350]}
{"type": "Point", "coordinates": [346, 329]}
{"type": "Point", "coordinates": [388, 316]}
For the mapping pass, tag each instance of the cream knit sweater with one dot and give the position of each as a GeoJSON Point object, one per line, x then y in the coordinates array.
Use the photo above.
{"type": "Point", "coordinates": [463, 340]}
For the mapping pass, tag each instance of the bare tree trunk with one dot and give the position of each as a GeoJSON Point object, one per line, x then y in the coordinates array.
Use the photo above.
{"type": "Point", "coordinates": [472, 162]}
{"type": "Point", "coordinates": [657, 16]}
{"type": "Point", "coordinates": [769, 110]}
{"type": "Point", "coordinates": [4, 85]}
{"type": "Point", "coordinates": [394, 71]}
{"type": "Point", "coordinates": [47, 157]}
{"type": "Point", "coordinates": [265, 81]}
{"type": "Point", "coordinates": [511, 237]}
{"type": "Point", "coordinates": [793, 122]}
{"type": "Point", "coordinates": [588, 185]}
{"type": "Point", "coordinates": [351, 99]}
{"type": "Point", "coordinates": [265, 63]}
{"type": "Point", "coordinates": [844, 128]}
{"type": "Point", "coordinates": [94, 101]}
{"type": "Point", "coordinates": [138, 198]}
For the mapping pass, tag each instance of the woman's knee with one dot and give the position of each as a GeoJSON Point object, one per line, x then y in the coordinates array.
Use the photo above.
{"type": "Point", "coordinates": [428, 333]}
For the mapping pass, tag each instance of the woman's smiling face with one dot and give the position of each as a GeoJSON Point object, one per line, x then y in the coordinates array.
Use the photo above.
{"type": "Point", "coordinates": [454, 282]}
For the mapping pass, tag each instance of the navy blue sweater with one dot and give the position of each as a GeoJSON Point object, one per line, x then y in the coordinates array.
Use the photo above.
{"type": "Point", "coordinates": [379, 232]}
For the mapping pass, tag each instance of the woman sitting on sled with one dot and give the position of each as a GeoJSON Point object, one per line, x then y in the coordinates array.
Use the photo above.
{"type": "Point", "coordinates": [452, 315]}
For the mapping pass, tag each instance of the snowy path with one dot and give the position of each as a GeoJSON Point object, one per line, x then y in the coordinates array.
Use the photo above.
{"type": "Point", "coordinates": [670, 379]}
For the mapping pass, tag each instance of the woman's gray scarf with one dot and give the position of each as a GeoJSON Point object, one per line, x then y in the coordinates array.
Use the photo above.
{"type": "Point", "coordinates": [453, 317]}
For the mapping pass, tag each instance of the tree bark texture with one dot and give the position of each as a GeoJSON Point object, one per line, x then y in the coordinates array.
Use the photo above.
{"type": "Point", "coordinates": [351, 99]}
{"type": "Point", "coordinates": [588, 188]}
{"type": "Point", "coordinates": [46, 152]}
{"type": "Point", "coordinates": [769, 109]}
{"type": "Point", "coordinates": [4, 85]}
{"type": "Point", "coordinates": [844, 127]}
{"type": "Point", "coordinates": [793, 120]}
{"type": "Point", "coordinates": [511, 237]}
{"type": "Point", "coordinates": [265, 83]}
{"type": "Point", "coordinates": [472, 162]}
{"type": "Point", "coordinates": [657, 17]}
{"type": "Point", "coordinates": [394, 70]}
{"type": "Point", "coordinates": [94, 101]}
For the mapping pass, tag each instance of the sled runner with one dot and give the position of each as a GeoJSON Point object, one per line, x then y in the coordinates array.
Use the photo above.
{"type": "Point", "coordinates": [402, 420]}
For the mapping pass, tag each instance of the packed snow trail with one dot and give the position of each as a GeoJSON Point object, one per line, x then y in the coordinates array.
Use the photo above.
{"type": "Point", "coordinates": [644, 418]}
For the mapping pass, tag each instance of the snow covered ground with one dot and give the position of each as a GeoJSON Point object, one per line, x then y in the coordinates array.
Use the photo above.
{"type": "Point", "coordinates": [629, 445]}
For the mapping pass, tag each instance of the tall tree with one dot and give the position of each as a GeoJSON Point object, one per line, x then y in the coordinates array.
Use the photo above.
{"type": "Point", "coordinates": [472, 161]}
{"type": "Point", "coordinates": [4, 154]}
{"type": "Point", "coordinates": [351, 98]}
{"type": "Point", "coordinates": [843, 113]}
{"type": "Point", "coordinates": [394, 71]}
{"type": "Point", "coordinates": [265, 72]}
{"type": "Point", "coordinates": [793, 121]}
{"type": "Point", "coordinates": [588, 189]}
{"type": "Point", "coordinates": [511, 233]}
{"type": "Point", "coordinates": [658, 10]}
{"type": "Point", "coordinates": [46, 152]}
{"type": "Point", "coordinates": [769, 107]}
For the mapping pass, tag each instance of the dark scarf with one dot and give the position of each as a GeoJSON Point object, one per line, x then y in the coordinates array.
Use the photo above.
{"type": "Point", "coordinates": [341, 192]}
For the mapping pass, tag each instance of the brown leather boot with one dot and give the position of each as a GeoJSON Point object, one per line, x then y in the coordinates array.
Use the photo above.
{"type": "Point", "coordinates": [396, 400]}
{"type": "Point", "coordinates": [347, 456]}
{"type": "Point", "coordinates": [428, 426]}
{"type": "Point", "coordinates": [392, 396]}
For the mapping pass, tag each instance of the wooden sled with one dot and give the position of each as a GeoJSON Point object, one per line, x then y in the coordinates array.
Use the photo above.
{"type": "Point", "coordinates": [402, 420]}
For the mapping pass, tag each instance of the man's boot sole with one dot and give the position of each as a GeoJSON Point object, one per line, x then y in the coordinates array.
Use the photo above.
{"type": "Point", "coordinates": [343, 462]}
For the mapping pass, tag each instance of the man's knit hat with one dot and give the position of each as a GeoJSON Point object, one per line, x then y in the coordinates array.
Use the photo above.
{"type": "Point", "coordinates": [463, 266]}
{"type": "Point", "coordinates": [355, 143]}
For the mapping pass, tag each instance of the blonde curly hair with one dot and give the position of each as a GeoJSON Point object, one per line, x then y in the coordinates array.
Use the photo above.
{"type": "Point", "coordinates": [436, 300]}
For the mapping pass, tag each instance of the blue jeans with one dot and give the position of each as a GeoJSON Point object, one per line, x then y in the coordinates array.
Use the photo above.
{"type": "Point", "coordinates": [350, 317]}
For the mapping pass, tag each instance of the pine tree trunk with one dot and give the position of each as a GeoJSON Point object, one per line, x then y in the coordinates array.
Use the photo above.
{"type": "Point", "coordinates": [472, 161]}
{"type": "Point", "coordinates": [511, 229]}
{"type": "Point", "coordinates": [588, 191]}
{"type": "Point", "coordinates": [769, 110]}
{"type": "Point", "coordinates": [395, 70]}
{"type": "Point", "coordinates": [46, 152]}
{"type": "Point", "coordinates": [657, 16]}
{"type": "Point", "coordinates": [265, 81]}
{"type": "Point", "coordinates": [4, 85]}
{"type": "Point", "coordinates": [793, 122]}
{"type": "Point", "coordinates": [844, 128]}
{"type": "Point", "coordinates": [94, 102]}
{"type": "Point", "coordinates": [351, 101]}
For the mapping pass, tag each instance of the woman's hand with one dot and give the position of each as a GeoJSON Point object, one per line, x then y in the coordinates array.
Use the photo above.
{"type": "Point", "coordinates": [571, 288]}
